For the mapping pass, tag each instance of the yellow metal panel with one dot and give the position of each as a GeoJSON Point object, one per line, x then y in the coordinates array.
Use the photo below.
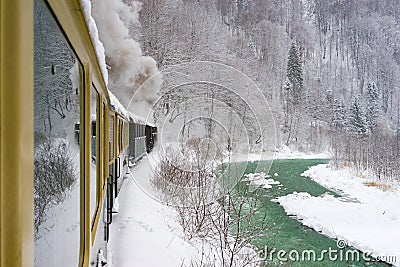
{"type": "Point", "coordinates": [116, 130]}
{"type": "Point", "coordinates": [16, 133]}
{"type": "Point", "coordinates": [85, 169]}
{"type": "Point", "coordinates": [100, 170]}
{"type": "Point", "coordinates": [99, 203]}
{"type": "Point", "coordinates": [1, 162]}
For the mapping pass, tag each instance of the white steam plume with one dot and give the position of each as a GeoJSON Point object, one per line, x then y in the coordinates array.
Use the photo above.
{"type": "Point", "coordinates": [128, 68]}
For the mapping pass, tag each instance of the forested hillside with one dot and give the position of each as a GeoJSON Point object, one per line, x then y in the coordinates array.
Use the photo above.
{"type": "Point", "coordinates": [329, 68]}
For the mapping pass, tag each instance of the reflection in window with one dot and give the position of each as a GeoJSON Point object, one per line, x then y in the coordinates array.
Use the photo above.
{"type": "Point", "coordinates": [56, 150]}
{"type": "Point", "coordinates": [93, 168]}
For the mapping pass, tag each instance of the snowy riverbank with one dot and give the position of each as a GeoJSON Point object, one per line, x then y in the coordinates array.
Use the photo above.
{"type": "Point", "coordinates": [282, 152]}
{"type": "Point", "coordinates": [365, 217]}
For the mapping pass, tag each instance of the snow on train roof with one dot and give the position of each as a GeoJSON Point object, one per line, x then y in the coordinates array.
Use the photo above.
{"type": "Point", "coordinates": [138, 119]}
{"type": "Point", "coordinates": [118, 107]}
{"type": "Point", "coordinates": [94, 34]}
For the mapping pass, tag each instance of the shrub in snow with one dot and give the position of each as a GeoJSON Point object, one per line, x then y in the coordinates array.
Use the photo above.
{"type": "Point", "coordinates": [210, 209]}
{"type": "Point", "coordinates": [55, 174]}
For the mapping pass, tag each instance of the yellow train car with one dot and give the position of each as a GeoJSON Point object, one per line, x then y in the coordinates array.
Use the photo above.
{"type": "Point", "coordinates": [63, 148]}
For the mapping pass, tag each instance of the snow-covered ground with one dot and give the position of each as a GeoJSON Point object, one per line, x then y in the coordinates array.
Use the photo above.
{"type": "Point", "coordinates": [59, 233]}
{"type": "Point", "coordinates": [365, 217]}
{"type": "Point", "coordinates": [145, 232]}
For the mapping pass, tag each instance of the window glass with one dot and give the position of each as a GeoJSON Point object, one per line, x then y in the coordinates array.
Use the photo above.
{"type": "Point", "coordinates": [111, 137]}
{"type": "Point", "coordinates": [103, 140]}
{"type": "Point", "coordinates": [56, 148]}
{"type": "Point", "coordinates": [121, 128]}
{"type": "Point", "coordinates": [94, 106]}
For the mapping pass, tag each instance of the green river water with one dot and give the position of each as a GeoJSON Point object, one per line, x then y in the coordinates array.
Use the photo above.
{"type": "Point", "coordinates": [283, 232]}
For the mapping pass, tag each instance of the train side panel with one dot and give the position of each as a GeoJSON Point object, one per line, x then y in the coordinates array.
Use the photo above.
{"type": "Point", "coordinates": [16, 134]}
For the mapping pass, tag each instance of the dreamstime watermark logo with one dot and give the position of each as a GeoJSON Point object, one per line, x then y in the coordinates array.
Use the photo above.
{"type": "Point", "coordinates": [207, 113]}
{"type": "Point", "coordinates": [340, 253]}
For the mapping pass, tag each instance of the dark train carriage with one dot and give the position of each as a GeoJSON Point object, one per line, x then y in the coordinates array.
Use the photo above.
{"type": "Point", "coordinates": [92, 136]}
{"type": "Point", "coordinates": [119, 147]}
{"type": "Point", "coordinates": [137, 137]}
{"type": "Point", "coordinates": [151, 135]}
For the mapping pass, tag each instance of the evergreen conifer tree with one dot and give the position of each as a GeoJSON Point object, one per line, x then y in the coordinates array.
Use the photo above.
{"type": "Point", "coordinates": [373, 108]}
{"type": "Point", "coordinates": [294, 74]}
{"type": "Point", "coordinates": [339, 114]}
{"type": "Point", "coordinates": [356, 123]}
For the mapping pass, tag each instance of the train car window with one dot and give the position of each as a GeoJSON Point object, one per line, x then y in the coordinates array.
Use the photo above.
{"type": "Point", "coordinates": [94, 177]}
{"type": "Point", "coordinates": [117, 132]}
{"type": "Point", "coordinates": [104, 143]}
{"type": "Point", "coordinates": [121, 128]}
{"type": "Point", "coordinates": [111, 137]}
{"type": "Point", "coordinates": [124, 133]}
{"type": "Point", "coordinates": [57, 85]}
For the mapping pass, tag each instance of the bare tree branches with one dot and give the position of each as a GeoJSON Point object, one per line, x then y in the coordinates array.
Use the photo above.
{"type": "Point", "coordinates": [55, 174]}
{"type": "Point", "coordinates": [224, 220]}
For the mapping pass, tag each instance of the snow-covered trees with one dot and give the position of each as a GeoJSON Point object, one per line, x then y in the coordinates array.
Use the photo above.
{"type": "Point", "coordinates": [367, 143]}
{"type": "Point", "coordinates": [55, 95]}
{"type": "Point", "coordinates": [180, 31]}
{"type": "Point", "coordinates": [293, 93]}
{"type": "Point", "coordinates": [356, 123]}
{"type": "Point", "coordinates": [294, 77]}
{"type": "Point", "coordinates": [373, 106]}
{"type": "Point", "coordinates": [339, 115]}
{"type": "Point", "coordinates": [303, 54]}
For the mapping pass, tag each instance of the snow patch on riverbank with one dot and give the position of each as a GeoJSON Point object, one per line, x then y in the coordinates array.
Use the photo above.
{"type": "Point", "coordinates": [259, 180]}
{"type": "Point", "coordinates": [282, 152]}
{"type": "Point", "coordinates": [365, 217]}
